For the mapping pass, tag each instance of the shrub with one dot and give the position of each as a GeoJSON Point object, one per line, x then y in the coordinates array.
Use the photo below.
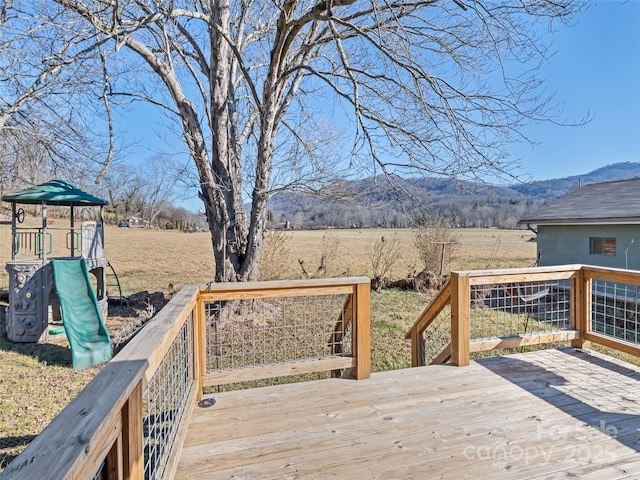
{"type": "Point", "coordinates": [383, 254]}
{"type": "Point", "coordinates": [276, 255]}
{"type": "Point", "coordinates": [435, 240]}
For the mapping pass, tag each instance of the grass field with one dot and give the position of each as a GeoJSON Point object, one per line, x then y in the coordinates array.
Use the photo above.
{"type": "Point", "coordinates": [36, 380]}
{"type": "Point", "coordinates": [152, 259]}
{"type": "Point", "coordinates": [146, 259]}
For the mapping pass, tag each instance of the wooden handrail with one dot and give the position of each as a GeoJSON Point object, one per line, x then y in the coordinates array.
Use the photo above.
{"type": "Point", "coordinates": [610, 274]}
{"type": "Point", "coordinates": [102, 428]}
{"type": "Point", "coordinates": [519, 274]}
{"type": "Point", "coordinates": [457, 293]}
{"type": "Point", "coordinates": [279, 288]}
{"type": "Point", "coordinates": [104, 421]}
{"type": "Point", "coordinates": [429, 314]}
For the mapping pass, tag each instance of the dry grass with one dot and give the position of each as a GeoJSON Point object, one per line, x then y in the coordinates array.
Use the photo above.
{"type": "Point", "coordinates": [36, 382]}
{"type": "Point", "coordinates": [479, 248]}
{"type": "Point", "coordinates": [153, 259]}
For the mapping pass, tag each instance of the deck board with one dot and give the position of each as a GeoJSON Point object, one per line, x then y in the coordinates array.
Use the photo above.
{"type": "Point", "coordinates": [548, 414]}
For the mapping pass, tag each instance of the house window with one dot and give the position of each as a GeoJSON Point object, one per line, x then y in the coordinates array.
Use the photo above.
{"type": "Point", "coordinates": [602, 246]}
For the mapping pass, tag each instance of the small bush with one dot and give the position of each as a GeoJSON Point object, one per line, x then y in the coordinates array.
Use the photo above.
{"type": "Point", "coordinates": [435, 240]}
{"type": "Point", "coordinates": [383, 254]}
{"type": "Point", "coordinates": [276, 255]}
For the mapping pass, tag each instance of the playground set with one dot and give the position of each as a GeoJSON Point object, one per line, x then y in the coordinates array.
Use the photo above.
{"type": "Point", "coordinates": [50, 296]}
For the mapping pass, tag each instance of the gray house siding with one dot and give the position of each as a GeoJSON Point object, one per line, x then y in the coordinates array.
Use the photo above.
{"type": "Point", "coordinates": [566, 244]}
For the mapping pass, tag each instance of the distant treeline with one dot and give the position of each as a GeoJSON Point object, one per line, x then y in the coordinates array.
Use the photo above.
{"type": "Point", "coordinates": [375, 202]}
{"type": "Point", "coordinates": [498, 213]}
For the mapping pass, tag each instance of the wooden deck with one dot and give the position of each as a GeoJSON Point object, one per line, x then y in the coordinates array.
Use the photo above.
{"type": "Point", "coordinates": [549, 414]}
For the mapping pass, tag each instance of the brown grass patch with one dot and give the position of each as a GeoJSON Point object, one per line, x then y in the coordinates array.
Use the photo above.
{"type": "Point", "coordinates": [147, 259]}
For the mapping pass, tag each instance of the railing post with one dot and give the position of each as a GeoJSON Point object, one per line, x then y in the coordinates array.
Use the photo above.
{"type": "Point", "coordinates": [132, 436]}
{"type": "Point", "coordinates": [582, 308]}
{"type": "Point", "coordinates": [362, 330]}
{"type": "Point", "coordinates": [578, 304]}
{"type": "Point", "coordinates": [417, 348]}
{"type": "Point", "coordinates": [460, 305]}
{"type": "Point", "coordinates": [114, 462]}
{"type": "Point", "coordinates": [199, 346]}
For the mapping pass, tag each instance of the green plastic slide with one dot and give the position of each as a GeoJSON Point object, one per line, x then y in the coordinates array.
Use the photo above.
{"type": "Point", "coordinates": [81, 316]}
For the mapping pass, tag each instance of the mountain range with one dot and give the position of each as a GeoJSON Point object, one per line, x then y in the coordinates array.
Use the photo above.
{"type": "Point", "coordinates": [558, 187]}
{"type": "Point", "coordinates": [372, 202]}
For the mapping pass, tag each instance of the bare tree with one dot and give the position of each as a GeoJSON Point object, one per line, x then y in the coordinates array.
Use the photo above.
{"type": "Point", "coordinates": [258, 88]}
{"type": "Point", "coordinates": [122, 186]}
{"type": "Point", "coordinates": [383, 255]}
{"type": "Point", "coordinates": [160, 188]}
{"type": "Point", "coordinates": [49, 81]}
{"type": "Point", "coordinates": [434, 241]}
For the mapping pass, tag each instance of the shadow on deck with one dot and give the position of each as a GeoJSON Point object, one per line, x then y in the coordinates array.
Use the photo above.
{"type": "Point", "coordinates": [548, 414]}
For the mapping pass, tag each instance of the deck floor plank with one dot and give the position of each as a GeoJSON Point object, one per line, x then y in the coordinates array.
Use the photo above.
{"type": "Point", "coordinates": [548, 414]}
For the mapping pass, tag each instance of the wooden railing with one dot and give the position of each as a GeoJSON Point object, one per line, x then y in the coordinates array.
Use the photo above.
{"type": "Point", "coordinates": [496, 309]}
{"type": "Point", "coordinates": [129, 422]}
{"type": "Point", "coordinates": [610, 311]}
{"type": "Point", "coordinates": [324, 309]}
{"type": "Point", "coordinates": [418, 354]}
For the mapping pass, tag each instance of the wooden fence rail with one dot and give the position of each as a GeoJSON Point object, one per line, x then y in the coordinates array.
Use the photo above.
{"type": "Point", "coordinates": [117, 429]}
{"type": "Point", "coordinates": [603, 307]}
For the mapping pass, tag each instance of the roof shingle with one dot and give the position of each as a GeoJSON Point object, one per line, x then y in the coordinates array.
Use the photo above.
{"type": "Point", "coordinates": [612, 202]}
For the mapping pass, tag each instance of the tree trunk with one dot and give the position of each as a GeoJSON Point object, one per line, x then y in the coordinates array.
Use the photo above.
{"type": "Point", "coordinates": [227, 220]}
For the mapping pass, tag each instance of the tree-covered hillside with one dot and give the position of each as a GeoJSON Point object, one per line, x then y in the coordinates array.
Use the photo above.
{"type": "Point", "coordinates": [372, 202]}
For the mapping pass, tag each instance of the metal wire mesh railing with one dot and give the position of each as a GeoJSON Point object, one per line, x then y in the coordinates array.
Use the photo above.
{"type": "Point", "coordinates": [165, 402]}
{"type": "Point", "coordinates": [495, 310]}
{"type": "Point", "coordinates": [437, 336]}
{"type": "Point", "coordinates": [268, 331]}
{"type": "Point", "coordinates": [500, 310]}
{"type": "Point", "coordinates": [615, 309]}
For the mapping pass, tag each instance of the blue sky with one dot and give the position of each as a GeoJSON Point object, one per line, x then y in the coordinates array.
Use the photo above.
{"type": "Point", "coordinates": [595, 70]}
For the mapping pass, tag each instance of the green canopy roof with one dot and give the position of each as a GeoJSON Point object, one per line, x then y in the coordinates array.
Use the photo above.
{"type": "Point", "coordinates": [55, 192]}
